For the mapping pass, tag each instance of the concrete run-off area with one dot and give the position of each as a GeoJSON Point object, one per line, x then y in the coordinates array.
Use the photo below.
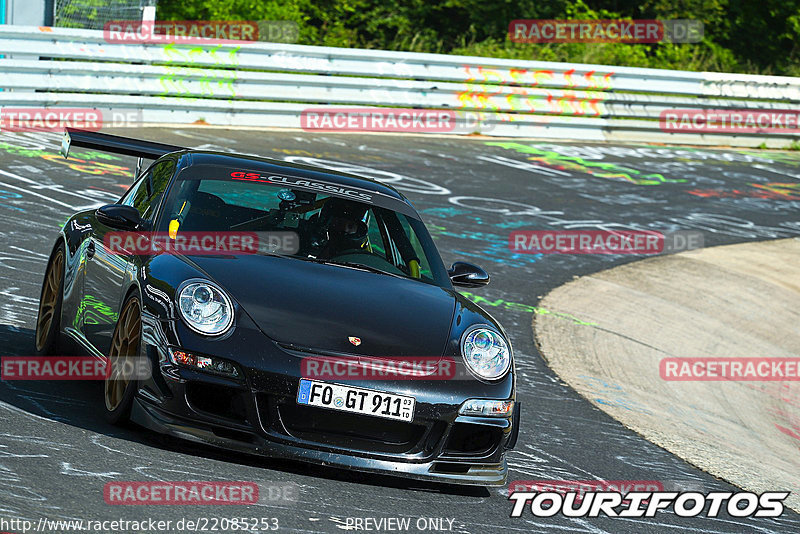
{"type": "Point", "coordinates": [736, 301]}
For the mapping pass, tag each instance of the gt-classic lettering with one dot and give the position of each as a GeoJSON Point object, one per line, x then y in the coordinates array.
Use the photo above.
{"type": "Point", "coordinates": [284, 180]}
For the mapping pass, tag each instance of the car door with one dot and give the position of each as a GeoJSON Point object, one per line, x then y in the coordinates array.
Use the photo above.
{"type": "Point", "coordinates": [108, 270]}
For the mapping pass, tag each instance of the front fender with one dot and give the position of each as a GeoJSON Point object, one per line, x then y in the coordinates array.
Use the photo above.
{"type": "Point", "coordinates": [468, 314]}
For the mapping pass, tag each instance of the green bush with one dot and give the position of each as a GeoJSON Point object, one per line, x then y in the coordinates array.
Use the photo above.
{"type": "Point", "coordinates": [740, 35]}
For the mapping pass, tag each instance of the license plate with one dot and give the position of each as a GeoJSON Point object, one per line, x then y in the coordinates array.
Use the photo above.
{"type": "Point", "coordinates": [355, 400]}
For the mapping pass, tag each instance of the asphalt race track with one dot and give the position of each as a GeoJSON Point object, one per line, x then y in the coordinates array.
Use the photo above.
{"type": "Point", "coordinates": [57, 452]}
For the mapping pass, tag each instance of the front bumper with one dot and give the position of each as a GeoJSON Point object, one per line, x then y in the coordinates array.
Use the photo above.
{"type": "Point", "coordinates": [259, 415]}
{"type": "Point", "coordinates": [468, 473]}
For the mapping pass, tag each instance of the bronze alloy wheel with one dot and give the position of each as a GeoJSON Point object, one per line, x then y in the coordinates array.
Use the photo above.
{"type": "Point", "coordinates": [121, 357]}
{"type": "Point", "coordinates": [49, 303]}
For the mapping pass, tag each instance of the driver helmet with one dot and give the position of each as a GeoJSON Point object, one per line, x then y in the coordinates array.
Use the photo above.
{"type": "Point", "coordinates": [345, 224]}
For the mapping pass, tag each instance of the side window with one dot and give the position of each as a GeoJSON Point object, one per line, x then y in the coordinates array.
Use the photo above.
{"type": "Point", "coordinates": [127, 198]}
{"type": "Point", "coordinates": [136, 192]}
{"type": "Point", "coordinates": [403, 244]}
{"type": "Point", "coordinates": [424, 266]}
{"type": "Point", "coordinates": [162, 173]}
{"type": "Point", "coordinates": [145, 194]}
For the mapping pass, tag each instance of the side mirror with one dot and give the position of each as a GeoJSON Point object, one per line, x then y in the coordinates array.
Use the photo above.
{"type": "Point", "coordinates": [467, 275]}
{"type": "Point", "coordinates": [120, 217]}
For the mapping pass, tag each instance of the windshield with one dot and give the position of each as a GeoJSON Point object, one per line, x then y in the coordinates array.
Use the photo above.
{"type": "Point", "coordinates": [329, 229]}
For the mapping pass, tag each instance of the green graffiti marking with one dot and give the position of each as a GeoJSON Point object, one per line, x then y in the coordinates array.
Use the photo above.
{"type": "Point", "coordinates": [600, 169]}
{"type": "Point", "coordinates": [91, 308]}
{"type": "Point", "coordinates": [79, 161]}
{"type": "Point", "coordinates": [173, 82]}
{"type": "Point", "coordinates": [515, 306]}
{"type": "Point", "coordinates": [189, 54]}
{"type": "Point", "coordinates": [211, 83]}
{"type": "Point", "coordinates": [33, 152]}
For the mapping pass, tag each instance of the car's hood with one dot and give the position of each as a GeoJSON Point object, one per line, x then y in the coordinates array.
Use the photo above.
{"type": "Point", "coordinates": [320, 306]}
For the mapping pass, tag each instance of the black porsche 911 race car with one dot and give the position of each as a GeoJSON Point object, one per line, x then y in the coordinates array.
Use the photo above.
{"type": "Point", "coordinates": [282, 310]}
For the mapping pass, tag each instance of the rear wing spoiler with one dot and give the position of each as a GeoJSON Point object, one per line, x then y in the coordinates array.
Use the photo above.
{"type": "Point", "coordinates": [114, 144]}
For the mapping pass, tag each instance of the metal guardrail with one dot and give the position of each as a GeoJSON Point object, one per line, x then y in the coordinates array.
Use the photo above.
{"type": "Point", "coordinates": [270, 84]}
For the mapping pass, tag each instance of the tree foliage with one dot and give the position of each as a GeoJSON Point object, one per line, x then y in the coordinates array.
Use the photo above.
{"type": "Point", "coordinates": [740, 35]}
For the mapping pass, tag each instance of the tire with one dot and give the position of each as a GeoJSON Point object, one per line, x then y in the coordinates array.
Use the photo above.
{"type": "Point", "coordinates": [119, 390]}
{"type": "Point", "coordinates": [48, 322]}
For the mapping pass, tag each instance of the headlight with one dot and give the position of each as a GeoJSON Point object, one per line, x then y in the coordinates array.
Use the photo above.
{"type": "Point", "coordinates": [205, 307]}
{"type": "Point", "coordinates": [486, 353]}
